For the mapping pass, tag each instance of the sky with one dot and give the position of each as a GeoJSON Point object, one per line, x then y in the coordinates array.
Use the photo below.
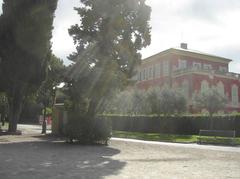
{"type": "Point", "coordinates": [210, 26]}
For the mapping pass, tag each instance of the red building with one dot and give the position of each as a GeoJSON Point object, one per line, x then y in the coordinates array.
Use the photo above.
{"type": "Point", "coordinates": [192, 71]}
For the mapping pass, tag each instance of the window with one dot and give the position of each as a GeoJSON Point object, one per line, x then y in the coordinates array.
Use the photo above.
{"type": "Point", "coordinates": [150, 72]}
{"type": "Point", "coordinates": [144, 74]}
{"type": "Point", "coordinates": [154, 71]}
{"type": "Point", "coordinates": [185, 88]}
{"type": "Point", "coordinates": [235, 95]}
{"type": "Point", "coordinates": [182, 64]}
{"type": "Point", "coordinates": [158, 70]}
{"type": "Point", "coordinates": [165, 68]}
{"type": "Point", "coordinates": [223, 69]}
{"type": "Point", "coordinates": [197, 65]}
{"type": "Point", "coordinates": [220, 88]}
{"type": "Point", "coordinates": [204, 86]}
{"type": "Point", "coordinates": [139, 76]}
{"type": "Point", "coordinates": [207, 67]}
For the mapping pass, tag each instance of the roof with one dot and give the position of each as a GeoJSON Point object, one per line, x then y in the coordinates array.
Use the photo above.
{"type": "Point", "coordinates": [188, 52]}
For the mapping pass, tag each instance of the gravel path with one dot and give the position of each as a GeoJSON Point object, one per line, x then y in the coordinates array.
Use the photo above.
{"type": "Point", "coordinates": [34, 156]}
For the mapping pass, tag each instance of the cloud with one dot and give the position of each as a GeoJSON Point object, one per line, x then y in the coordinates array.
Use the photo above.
{"type": "Point", "coordinates": [209, 26]}
{"type": "Point", "coordinates": [65, 17]}
{"type": "Point", "coordinates": [235, 67]}
{"type": "Point", "coordinates": [1, 2]}
{"type": "Point", "coordinates": [211, 11]}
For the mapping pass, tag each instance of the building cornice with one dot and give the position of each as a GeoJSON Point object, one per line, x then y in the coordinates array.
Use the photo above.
{"type": "Point", "coordinates": [206, 74]}
{"type": "Point", "coordinates": [188, 53]}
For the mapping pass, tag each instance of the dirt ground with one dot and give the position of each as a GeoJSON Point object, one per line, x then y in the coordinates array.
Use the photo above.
{"type": "Point", "coordinates": [35, 156]}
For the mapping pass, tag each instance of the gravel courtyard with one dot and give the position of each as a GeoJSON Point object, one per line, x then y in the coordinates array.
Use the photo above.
{"type": "Point", "coordinates": [31, 156]}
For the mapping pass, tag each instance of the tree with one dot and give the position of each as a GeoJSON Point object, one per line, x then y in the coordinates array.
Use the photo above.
{"type": "Point", "coordinates": [3, 107]}
{"type": "Point", "coordinates": [211, 100]}
{"type": "Point", "coordinates": [153, 98]}
{"type": "Point", "coordinates": [25, 33]}
{"type": "Point", "coordinates": [132, 101]}
{"type": "Point", "coordinates": [166, 101]}
{"type": "Point", "coordinates": [110, 35]}
{"type": "Point", "coordinates": [46, 92]}
{"type": "Point", "coordinates": [172, 101]}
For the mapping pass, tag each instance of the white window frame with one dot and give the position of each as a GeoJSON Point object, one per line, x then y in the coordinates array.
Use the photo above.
{"type": "Point", "coordinates": [185, 88]}
{"type": "Point", "coordinates": [166, 68]}
{"type": "Point", "coordinates": [220, 88]}
{"type": "Point", "coordinates": [207, 66]}
{"type": "Point", "coordinates": [150, 72]}
{"type": "Point", "coordinates": [234, 91]}
{"type": "Point", "coordinates": [204, 85]}
{"type": "Point", "coordinates": [182, 64]}
{"type": "Point", "coordinates": [197, 65]}
{"type": "Point", "coordinates": [146, 73]}
{"type": "Point", "coordinates": [222, 69]}
{"type": "Point", "coordinates": [158, 70]}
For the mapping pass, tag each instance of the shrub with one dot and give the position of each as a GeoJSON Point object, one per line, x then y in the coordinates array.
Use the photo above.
{"type": "Point", "coordinates": [185, 125]}
{"type": "Point", "coordinates": [211, 100]}
{"type": "Point", "coordinates": [87, 130]}
{"type": "Point", "coordinates": [130, 102]}
{"type": "Point", "coordinates": [153, 101]}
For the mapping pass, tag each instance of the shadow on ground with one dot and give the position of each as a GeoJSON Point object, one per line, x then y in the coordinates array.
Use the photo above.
{"type": "Point", "coordinates": [56, 159]}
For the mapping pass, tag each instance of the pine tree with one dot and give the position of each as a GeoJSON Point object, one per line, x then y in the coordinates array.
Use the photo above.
{"type": "Point", "coordinates": [109, 38]}
{"type": "Point", "coordinates": [25, 33]}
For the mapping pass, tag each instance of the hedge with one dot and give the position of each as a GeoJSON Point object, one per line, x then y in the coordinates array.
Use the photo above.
{"type": "Point", "coordinates": [185, 125]}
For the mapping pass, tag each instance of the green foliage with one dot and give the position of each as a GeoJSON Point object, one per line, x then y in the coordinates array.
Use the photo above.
{"type": "Point", "coordinates": [154, 101]}
{"type": "Point", "coordinates": [48, 111]}
{"type": "Point", "coordinates": [128, 102]}
{"type": "Point", "coordinates": [31, 111]}
{"type": "Point", "coordinates": [110, 35]}
{"type": "Point", "coordinates": [173, 138]}
{"type": "Point", "coordinates": [172, 102]}
{"type": "Point", "coordinates": [184, 125]}
{"type": "Point", "coordinates": [55, 73]}
{"type": "Point", "coordinates": [87, 130]}
{"type": "Point", "coordinates": [25, 33]}
{"type": "Point", "coordinates": [156, 136]}
{"type": "Point", "coordinates": [211, 100]}
{"type": "Point", "coordinates": [108, 41]}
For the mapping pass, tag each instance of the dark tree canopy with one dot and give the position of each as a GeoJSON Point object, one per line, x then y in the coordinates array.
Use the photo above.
{"type": "Point", "coordinates": [25, 33]}
{"type": "Point", "coordinates": [109, 39]}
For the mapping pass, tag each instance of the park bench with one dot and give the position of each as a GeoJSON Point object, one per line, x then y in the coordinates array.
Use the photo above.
{"type": "Point", "coordinates": [217, 136]}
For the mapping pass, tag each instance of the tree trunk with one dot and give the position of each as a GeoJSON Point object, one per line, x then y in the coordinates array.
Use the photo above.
{"type": "Point", "coordinates": [15, 106]}
{"type": "Point", "coordinates": [44, 124]}
{"type": "Point", "coordinates": [16, 99]}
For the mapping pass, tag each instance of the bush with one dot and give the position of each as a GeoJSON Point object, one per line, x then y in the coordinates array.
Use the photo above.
{"type": "Point", "coordinates": [130, 102]}
{"type": "Point", "coordinates": [153, 101]}
{"type": "Point", "coordinates": [86, 130]}
{"type": "Point", "coordinates": [185, 125]}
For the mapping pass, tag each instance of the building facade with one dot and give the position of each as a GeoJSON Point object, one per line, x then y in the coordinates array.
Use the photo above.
{"type": "Point", "coordinates": [192, 71]}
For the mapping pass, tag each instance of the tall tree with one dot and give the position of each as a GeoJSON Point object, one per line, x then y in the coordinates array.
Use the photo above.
{"type": "Point", "coordinates": [110, 35]}
{"type": "Point", "coordinates": [109, 38]}
{"type": "Point", "coordinates": [25, 33]}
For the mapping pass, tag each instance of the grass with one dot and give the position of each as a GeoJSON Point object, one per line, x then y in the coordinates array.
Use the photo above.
{"type": "Point", "coordinates": [156, 136]}
{"type": "Point", "coordinates": [169, 137]}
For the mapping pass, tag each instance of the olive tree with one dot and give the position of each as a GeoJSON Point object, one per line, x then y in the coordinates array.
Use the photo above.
{"type": "Point", "coordinates": [211, 100]}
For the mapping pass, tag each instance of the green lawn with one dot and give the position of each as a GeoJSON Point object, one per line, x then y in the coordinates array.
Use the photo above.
{"type": "Point", "coordinates": [165, 137]}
